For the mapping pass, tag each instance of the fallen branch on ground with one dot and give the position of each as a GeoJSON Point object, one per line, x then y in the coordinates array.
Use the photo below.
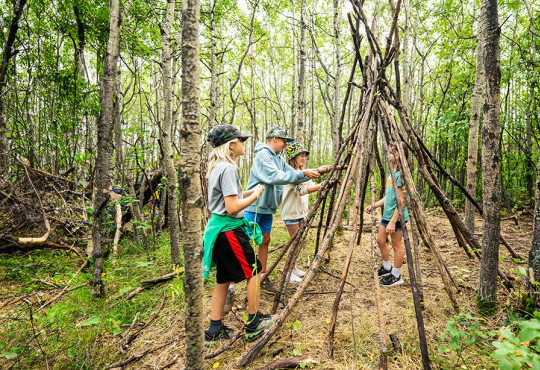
{"type": "Point", "coordinates": [138, 356]}
{"type": "Point", "coordinates": [147, 284]}
{"type": "Point", "coordinates": [287, 363]}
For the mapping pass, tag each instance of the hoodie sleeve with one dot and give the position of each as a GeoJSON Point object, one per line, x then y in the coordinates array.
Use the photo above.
{"type": "Point", "coordinates": [270, 173]}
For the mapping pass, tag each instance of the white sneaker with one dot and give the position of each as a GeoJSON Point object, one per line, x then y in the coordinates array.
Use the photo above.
{"type": "Point", "coordinates": [299, 272]}
{"type": "Point", "coordinates": [295, 279]}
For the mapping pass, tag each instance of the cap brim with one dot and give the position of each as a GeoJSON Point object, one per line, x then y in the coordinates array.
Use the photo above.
{"type": "Point", "coordinates": [289, 139]}
{"type": "Point", "coordinates": [244, 137]}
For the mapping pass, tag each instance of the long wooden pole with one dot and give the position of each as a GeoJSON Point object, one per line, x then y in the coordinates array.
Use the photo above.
{"type": "Point", "coordinates": [414, 288]}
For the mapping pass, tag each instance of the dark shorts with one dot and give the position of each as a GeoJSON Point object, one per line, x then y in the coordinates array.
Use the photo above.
{"type": "Point", "coordinates": [234, 257]}
{"type": "Point", "coordinates": [398, 224]}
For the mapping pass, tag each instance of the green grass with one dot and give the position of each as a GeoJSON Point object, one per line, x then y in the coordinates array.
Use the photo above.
{"type": "Point", "coordinates": [67, 330]}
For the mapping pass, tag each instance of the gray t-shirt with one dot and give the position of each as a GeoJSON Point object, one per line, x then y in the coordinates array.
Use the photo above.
{"type": "Point", "coordinates": [223, 182]}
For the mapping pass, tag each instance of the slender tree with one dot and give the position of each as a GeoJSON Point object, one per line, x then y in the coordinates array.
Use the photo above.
{"type": "Point", "coordinates": [491, 133]}
{"type": "Point", "coordinates": [190, 186]}
{"type": "Point", "coordinates": [474, 125]}
{"type": "Point", "coordinates": [166, 131]}
{"type": "Point", "coordinates": [302, 76]}
{"type": "Point", "coordinates": [18, 7]}
{"type": "Point", "coordinates": [105, 138]}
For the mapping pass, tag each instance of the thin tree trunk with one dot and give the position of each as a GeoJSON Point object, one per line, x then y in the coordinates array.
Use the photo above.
{"type": "Point", "coordinates": [105, 139]}
{"type": "Point", "coordinates": [474, 124]}
{"type": "Point", "coordinates": [190, 186]}
{"type": "Point", "coordinates": [166, 132]}
{"type": "Point", "coordinates": [532, 83]}
{"type": "Point", "coordinates": [18, 7]}
{"type": "Point", "coordinates": [214, 81]}
{"type": "Point", "coordinates": [302, 76]}
{"type": "Point", "coordinates": [491, 133]}
{"type": "Point", "coordinates": [337, 80]}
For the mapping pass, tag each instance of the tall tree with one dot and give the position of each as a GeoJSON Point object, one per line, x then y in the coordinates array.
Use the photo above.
{"type": "Point", "coordinates": [166, 131]}
{"type": "Point", "coordinates": [18, 7]}
{"type": "Point", "coordinates": [534, 253]}
{"type": "Point", "coordinates": [214, 81]}
{"type": "Point", "coordinates": [491, 133]}
{"type": "Point", "coordinates": [104, 138]}
{"type": "Point", "coordinates": [336, 112]}
{"type": "Point", "coordinates": [474, 124]}
{"type": "Point", "coordinates": [302, 75]}
{"type": "Point", "coordinates": [190, 185]}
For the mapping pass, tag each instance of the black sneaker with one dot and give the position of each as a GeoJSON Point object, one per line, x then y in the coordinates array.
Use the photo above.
{"type": "Point", "coordinates": [228, 302]}
{"type": "Point", "coordinates": [384, 272]}
{"type": "Point", "coordinates": [269, 287]}
{"type": "Point", "coordinates": [256, 331]}
{"type": "Point", "coordinates": [224, 333]}
{"type": "Point", "coordinates": [391, 280]}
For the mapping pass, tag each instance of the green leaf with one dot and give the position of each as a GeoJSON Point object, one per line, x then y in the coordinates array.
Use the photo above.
{"type": "Point", "coordinates": [8, 355]}
{"type": "Point", "coordinates": [91, 321]}
{"type": "Point", "coordinates": [296, 325]}
{"type": "Point", "coordinates": [528, 335]}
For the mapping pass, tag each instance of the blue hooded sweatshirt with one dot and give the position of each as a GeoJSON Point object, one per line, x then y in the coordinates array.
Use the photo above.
{"type": "Point", "coordinates": [270, 170]}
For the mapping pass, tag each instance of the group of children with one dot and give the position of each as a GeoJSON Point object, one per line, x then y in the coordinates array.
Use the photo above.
{"type": "Point", "coordinates": [239, 217]}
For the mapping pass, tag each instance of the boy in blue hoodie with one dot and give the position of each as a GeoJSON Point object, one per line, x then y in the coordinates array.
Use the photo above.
{"type": "Point", "coordinates": [270, 169]}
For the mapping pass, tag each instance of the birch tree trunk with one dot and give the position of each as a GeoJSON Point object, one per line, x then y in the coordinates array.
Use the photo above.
{"type": "Point", "coordinates": [105, 139]}
{"type": "Point", "coordinates": [166, 132]}
{"type": "Point", "coordinates": [293, 98]}
{"type": "Point", "coordinates": [474, 125]}
{"type": "Point", "coordinates": [18, 7]}
{"type": "Point", "coordinates": [302, 76]}
{"type": "Point", "coordinates": [491, 132]}
{"type": "Point", "coordinates": [214, 82]}
{"type": "Point", "coordinates": [190, 186]}
{"type": "Point", "coordinates": [337, 99]}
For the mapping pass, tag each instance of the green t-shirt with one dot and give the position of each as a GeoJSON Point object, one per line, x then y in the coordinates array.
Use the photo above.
{"type": "Point", "coordinates": [390, 199]}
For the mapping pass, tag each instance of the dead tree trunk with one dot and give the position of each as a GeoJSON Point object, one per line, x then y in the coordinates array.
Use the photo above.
{"type": "Point", "coordinates": [18, 7]}
{"type": "Point", "coordinates": [166, 133]}
{"type": "Point", "coordinates": [214, 81]}
{"type": "Point", "coordinates": [337, 80]}
{"type": "Point", "coordinates": [190, 185]}
{"type": "Point", "coordinates": [473, 130]}
{"type": "Point", "coordinates": [491, 133]}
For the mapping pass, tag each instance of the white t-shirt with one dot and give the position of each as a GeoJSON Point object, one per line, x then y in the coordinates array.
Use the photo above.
{"type": "Point", "coordinates": [295, 202]}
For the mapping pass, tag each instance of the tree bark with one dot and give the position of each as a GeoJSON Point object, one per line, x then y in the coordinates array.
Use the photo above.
{"type": "Point", "coordinates": [474, 124]}
{"type": "Point", "coordinates": [337, 80]}
{"type": "Point", "coordinates": [491, 133]}
{"type": "Point", "coordinates": [528, 119]}
{"type": "Point", "coordinates": [214, 81]}
{"type": "Point", "coordinates": [302, 76]}
{"type": "Point", "coordinates": [18, 7]}
{"type": "Point", "coordinates": [190, 186]}
{"type": "Point", "coordinates": [166, 132]}
{"type": "Point", "coordinates": [104, 141]}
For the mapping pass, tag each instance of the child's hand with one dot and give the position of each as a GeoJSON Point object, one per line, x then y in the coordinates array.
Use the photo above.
{"type": "Point", "coordinates": [312, 174]}
{"type": "Point", "coordinates": [258, 190]}
{"type": "Point", "coordinates": [391, 227]}
{"type": "Point", "coordinates": [369, 209]}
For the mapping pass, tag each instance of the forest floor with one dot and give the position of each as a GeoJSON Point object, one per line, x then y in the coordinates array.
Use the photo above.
{"type": "Point", "coordinates": [78, 331]}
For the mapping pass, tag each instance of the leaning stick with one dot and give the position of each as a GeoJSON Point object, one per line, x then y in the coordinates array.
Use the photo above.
{"type": "Point", "coordinates": [280, 319]}
{"type": "Point", "coordinates": [414, 288]}
{"type": "Point", "coordinates": [380, 316]}
{"type": "Point", "coordinates": [420, 215]}
{"type": "Point", "coordinates": [352, 242]}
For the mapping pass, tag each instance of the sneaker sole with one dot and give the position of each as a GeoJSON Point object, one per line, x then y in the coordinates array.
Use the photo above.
{"type": "Point", "coordinates": [396, 283]}
{"type": "Point", "coordinates": [254, 336]}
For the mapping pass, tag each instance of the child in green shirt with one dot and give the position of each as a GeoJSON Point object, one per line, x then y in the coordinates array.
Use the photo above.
{"type": "Point", "coordinates": [391, 225]}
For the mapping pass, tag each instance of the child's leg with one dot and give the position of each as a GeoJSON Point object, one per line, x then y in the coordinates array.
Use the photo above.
{"type": "Point", "coordinates": [381, 241]}
{"type": "Point", "coordinates": [263, 250]}
{"type": "Point", "coordinates": [291, 229]}
{"type": "Point", "coordinates": [253, 293]}
{"type": "Point", "coordinates": [218, 301]}
{"type": "Point", "coordinates": [398, 248]}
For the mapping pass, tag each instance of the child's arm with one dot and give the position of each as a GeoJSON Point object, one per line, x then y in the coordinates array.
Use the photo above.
{"type": "Point", "coordinates": [247, 193]}
{"type": "Point", "coordinates": [391, 227]}
{"type": "Point", "coordinates": [314, 188]}
{"type": "Point", "coordinates": [377, 204]}
{"type": "Point", "coordinates": [234, 205]}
